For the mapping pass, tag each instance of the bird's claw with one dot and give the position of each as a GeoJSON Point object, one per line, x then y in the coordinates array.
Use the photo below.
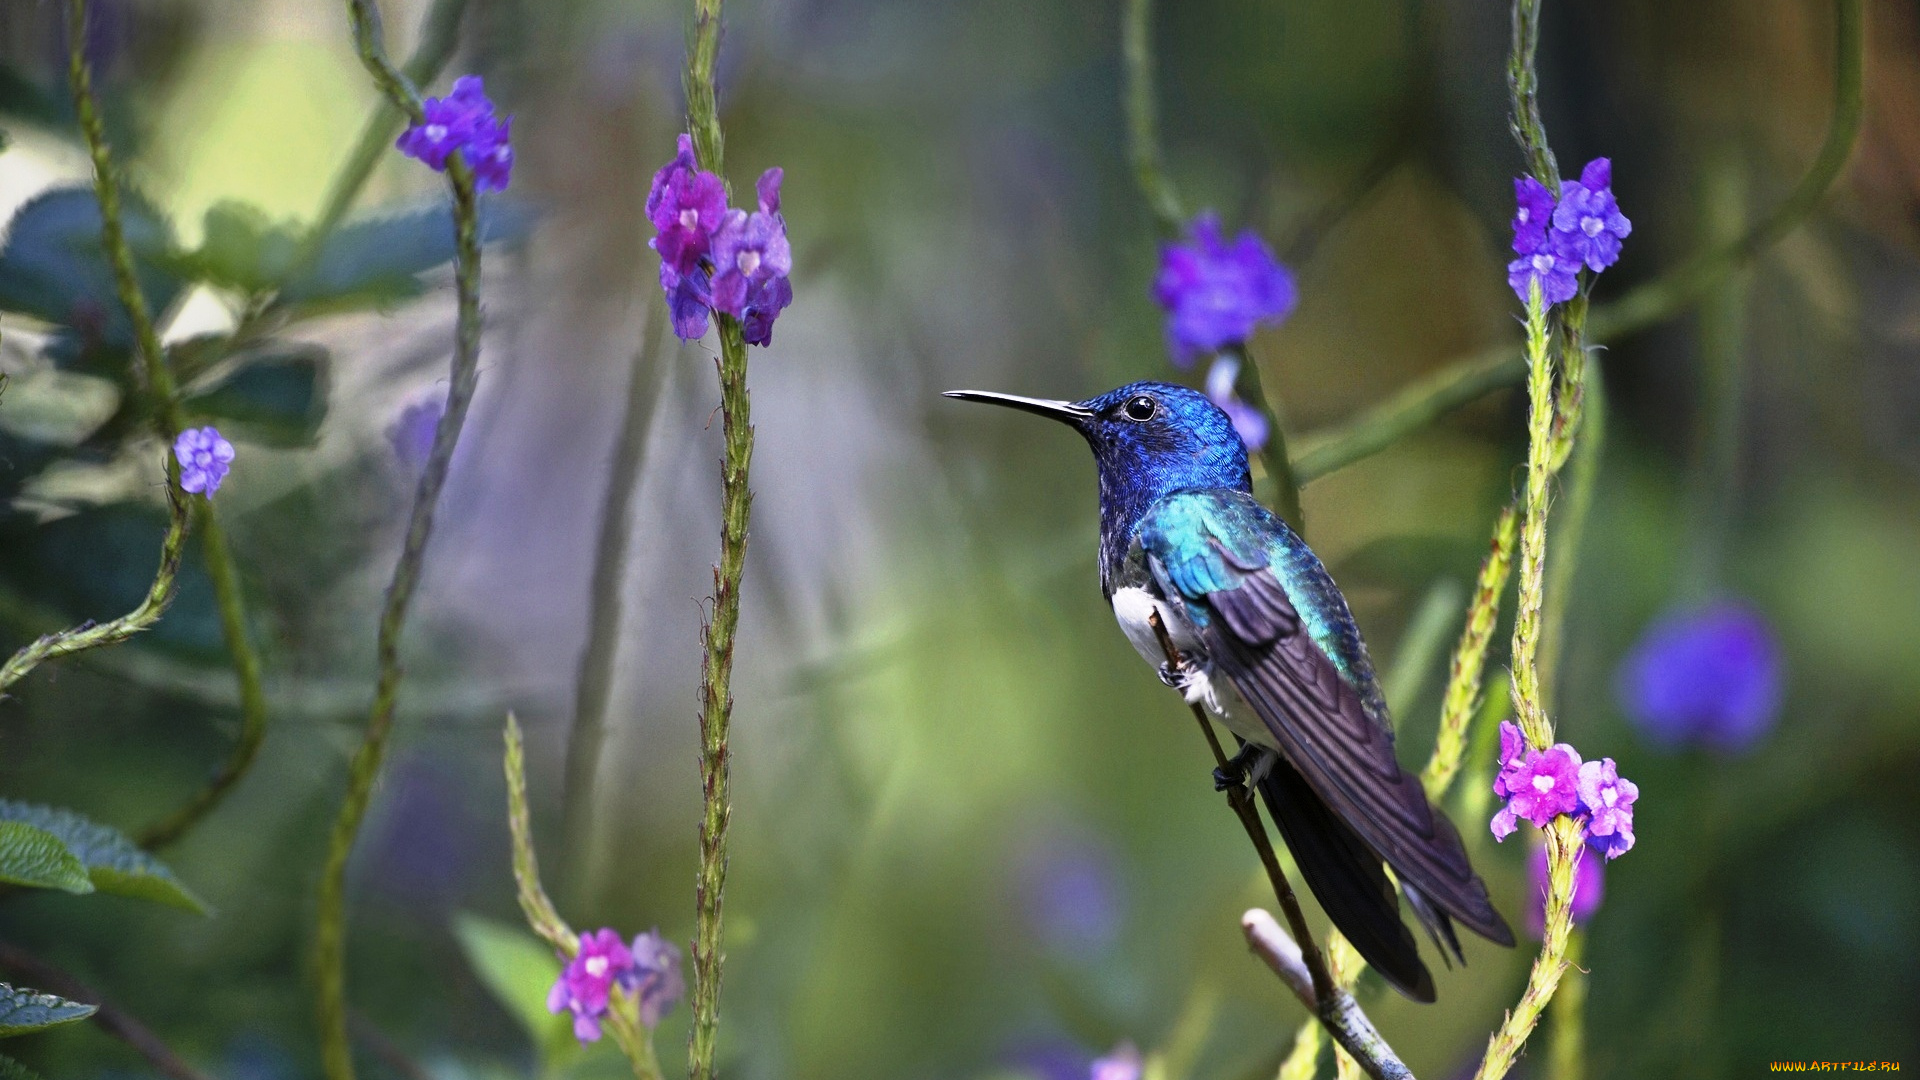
{"type": "Point", "coordinates": [1178, 676]}
{"type": "Point", "coordinates": [1235, 772]}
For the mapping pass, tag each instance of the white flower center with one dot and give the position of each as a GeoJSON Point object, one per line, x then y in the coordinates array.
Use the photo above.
{"type": "Point", "coordinates": [1592, 225]}
{"type": "Point", "coordinates": [1543, 263]}
{"type": "Point", "coordinates": [689, 219]}
{"type": "Point", "coordinates": [1608, 796]}
{"type": "Point", "coordinates": [748, 261]}
{"type": "Point", "coordinates": [596, 966]}
{"type": "Point", "coordinates": [1543, 783]}
{"type": "Point", "coordinates": [1525, 215]}
{"type": "Point", "coordinates": [436, 132]}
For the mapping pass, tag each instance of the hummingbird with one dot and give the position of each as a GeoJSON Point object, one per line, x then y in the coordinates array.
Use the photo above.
{"type": "Point", "coordinates": [1266, 642]}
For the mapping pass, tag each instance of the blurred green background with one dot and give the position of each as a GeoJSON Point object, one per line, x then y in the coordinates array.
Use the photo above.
{"type": "Point", "coordinates": [972, 837]}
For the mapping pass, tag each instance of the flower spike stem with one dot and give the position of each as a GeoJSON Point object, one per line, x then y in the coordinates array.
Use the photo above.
{"type": "Point", "coordinates": [717, 636]}
{"type": "Point", "coordinates": [167, 424]}
{"type": "Point", "coordinates": [1143, 136]}
{"type": "Point", "coordinates": [1527, 708]}
{"type": "Point", "coordinates": [1650, 304]}
{"type": "Point", "coordinates": [87, 636]}
{"type": "Point", "coordinates": [1467, 672]}
{"type": "Point", "coordinates": [1563, 843]}
{"type": "Point", "coordinates": [623, 1016]}
{"type": "Point", "coordinates": [330, 937]}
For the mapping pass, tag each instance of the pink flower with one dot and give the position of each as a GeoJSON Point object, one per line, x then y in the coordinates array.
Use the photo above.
{"type": "Point", "coordinates": [588, 979]}
{"type": "Point", "coordinates": [1607, 799]}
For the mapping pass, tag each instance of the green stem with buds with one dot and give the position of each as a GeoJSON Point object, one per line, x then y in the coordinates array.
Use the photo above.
{"type": "Point", "coordinates": [717, 636]}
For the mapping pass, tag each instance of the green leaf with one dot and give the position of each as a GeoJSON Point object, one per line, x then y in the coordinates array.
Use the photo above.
{"type": "Point", "coordinates": [99, 563]}
{"type": "Point", "coordinates": [24, 1011]}
{"type": "Point", "coordinates": [275, 394]}
{"type": "Point", "coordinates": [113, 863]}
{"type": "Point", "coordinates": [13, 1070]}
{"type": "Point", "coordinates": [33, 856]}
{"type": "Point", "coordinates": [243, 249]}
{"type": "Point", "coordinates": [380, 259]}
{"type": "Point", "coordinates": [519, 969]}
{"type": "Point", "coordinates": [54, 268]}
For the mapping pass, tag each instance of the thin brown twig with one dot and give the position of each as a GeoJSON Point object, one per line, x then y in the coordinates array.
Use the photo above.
{"type": "Point", "coordinates": [107, 1018]}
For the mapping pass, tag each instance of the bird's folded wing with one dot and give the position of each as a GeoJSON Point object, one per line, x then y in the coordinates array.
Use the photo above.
{"type": "Point", "coordinates": [1257, 641]}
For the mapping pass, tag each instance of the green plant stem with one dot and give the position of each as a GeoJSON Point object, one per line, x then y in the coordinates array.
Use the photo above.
{"type": "Point", "coordinates": [94, 636]}
{"type": "Point", "coordinates": [1422, 643]}
{"type": "Point", "coordinates": [1143, 140]}
{"type": "Point", "coordinates": [717, 636]}
{"type": "Point", "coordinates": [1462, 700]}
{"type": "Point", "coordinates": [1143, 122]}
{"type": "Point", "coordinates": [330, 937]}
{"type": "Point", "coordinates": [1528, 708]}
{"type": "Point", "coordinates": [1650, 304]}
{"type": "Point", "coordinates": [594, 688]}
{"type": "Point", "coordinates": [1714, 472]}
{"type": "Point", "coordinates": [1567, 1051]}
{"type": "Point", "coordinates": [1563, 841]}
{"type": "Point", "coordinates": [1582, 483]}
{"type": "Point", "coordinates": [1523, 84]}
{"type": "Point", "coordinates": [167, 423]}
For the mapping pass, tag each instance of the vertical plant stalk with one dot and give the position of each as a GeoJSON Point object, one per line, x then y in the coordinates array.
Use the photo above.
{"type": "Point", "coordinates": [594, 688]}
{"type": "Point", "coordinates": [1523, 85]}
{"type": "Point", "coordinates": [1528, 709]}
{"type": "Point", "coordinates": [1714, 480]}
{"type": "Point", "coordinates": [1563, 842]}
{"type": "Point", "coordinates": [1567, 1051]}
{"type": "Point", "coordinates": [717, 636]}
{"type": "Point", "coordinates": [1143, 139]}
{"type": "Point", "coordinates": [91, 636]}
{"type": "Point", "coordinates": [1468, 669]}
{"type": "Point", "coordinates": [330, 937]}
{"type": "Point", "coordinates": [167, 424]}
{"type": "Point", "coordinates": [1582, 482]}
{"type": "Point", "coordinates": [623, 1014]}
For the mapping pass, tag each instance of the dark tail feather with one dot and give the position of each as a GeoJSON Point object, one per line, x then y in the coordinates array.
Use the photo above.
{"type": "Point", "coordinates": [1438, 926]}
{"type": "Point", "coordinates": [1348, 880]}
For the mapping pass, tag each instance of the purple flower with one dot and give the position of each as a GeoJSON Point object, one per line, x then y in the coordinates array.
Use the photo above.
{"type": "Point", "coordinates": [1513, 754]}
{"type": "Point", "coordinates": [1556, 275]}
{"type": "Point", "coordinates": [464, 120]}
{"type": "Point", "coordinates": [686, 204]}
{"type": "Point", "coordinates": [411, 433]}
{"type": "Point", "coordinates": [1249, 422]}
{"type": "Point", "coordinates": [1588, 225]}
{"type": "Point", "coordinates": [1544, 786]}
{"type": "Point", "coordinates": [1709, 676]}
{"type": "Point", "coordinates": [204, 457]}
{"type": "Point", "coordinates": [655, 977]}
{"type": "Point", "coordinates": [1123, 1064]}
{"type": "Point", "coordinates": [688, 299]}
{"type": "Point", "coordinates": [588, 979]}
{"type": "Point", "coordinates": [1533, 213]}
{"type": "Point", "coordinates": [1216, 293]}
{"type": "Point", "coordinates": [1589, 885]}
{"type": "Point", "coordinates": [751, 262]}
{"type": "Point", "coordinates": [1607, 802]}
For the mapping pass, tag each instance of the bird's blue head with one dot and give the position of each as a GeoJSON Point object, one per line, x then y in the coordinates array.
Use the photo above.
{"type": "Point", "coordinates": [1150, 439]}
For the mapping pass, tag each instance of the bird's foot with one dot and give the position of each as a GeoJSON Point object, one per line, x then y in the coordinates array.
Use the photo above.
{"type": "Point", "coordinates": [1239, 769]}
{"type": "Point", "coordinates": [1178, 676]}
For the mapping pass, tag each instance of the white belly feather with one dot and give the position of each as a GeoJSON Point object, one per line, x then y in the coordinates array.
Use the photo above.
{"type": "Point", "coordinates": [1132, 608]}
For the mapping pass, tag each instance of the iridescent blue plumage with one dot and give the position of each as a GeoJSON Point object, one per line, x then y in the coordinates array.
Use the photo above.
{"type": "Point", "coordinates": [1269, 643]}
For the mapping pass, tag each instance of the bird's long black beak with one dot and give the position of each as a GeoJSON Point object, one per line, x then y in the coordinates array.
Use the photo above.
{"type": "Point", "coordinates": [1064, 411]}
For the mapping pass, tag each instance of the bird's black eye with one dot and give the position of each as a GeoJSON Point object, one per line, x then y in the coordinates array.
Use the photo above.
{"type": "Point", "coordinates": [1141, 408]}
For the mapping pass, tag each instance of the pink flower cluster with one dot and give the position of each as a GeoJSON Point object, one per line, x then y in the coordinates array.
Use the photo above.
{"type": "Point", "coordinates": [715, 258]}
{"type": "Point", "coordinates": [649, 970]}
{"type": "Point", "coordinates": [1540, 785]}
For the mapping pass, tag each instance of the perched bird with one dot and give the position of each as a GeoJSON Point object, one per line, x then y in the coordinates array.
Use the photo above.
{"type": "Point", "coordinates": [1267, 643]}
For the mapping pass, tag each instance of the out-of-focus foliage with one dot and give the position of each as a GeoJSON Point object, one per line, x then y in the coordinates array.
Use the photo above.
{"type": "Point", "coordinates": [973, 836]}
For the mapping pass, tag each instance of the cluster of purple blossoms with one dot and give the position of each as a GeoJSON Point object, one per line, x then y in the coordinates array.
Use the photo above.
{"type": "Point", "coordinates": [649, 970]}
{"type": "Point", "coordinates": [1249, 422]}
{"type": "Point", "coordinates": [1555, 240]}
{"type": "Point", "coordinates": [464, 120]}
{"type": "Point", "coordinates": [204, 457]}
{"type": "Point", "coordinates": [1708, 676]}
{"type": "Point", "coordinates": [1540, 785]}
{"type": "Point", "coordinates": [714, 258]}
{"type": "Point", "coordinates": [1216, 293]}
